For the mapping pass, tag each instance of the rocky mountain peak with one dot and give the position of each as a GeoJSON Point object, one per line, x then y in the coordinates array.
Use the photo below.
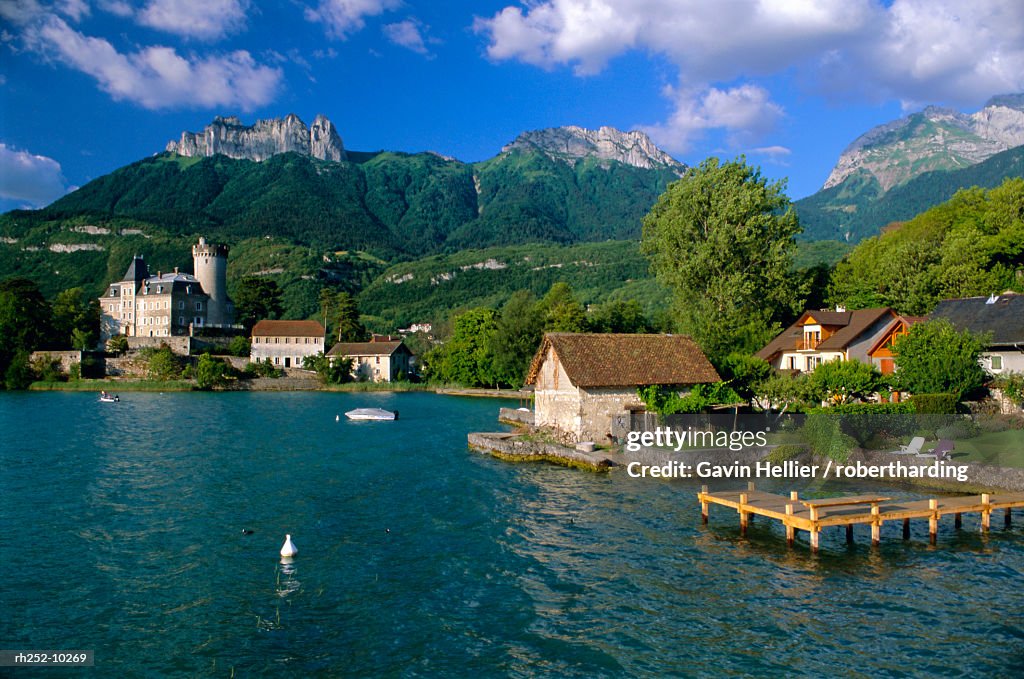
{"type": "Point", "coordinates": [227, 135]}
{"type": "Point", "coordinates": [936, 138]}
{"type": "Point", "coordinates": [572, 144]}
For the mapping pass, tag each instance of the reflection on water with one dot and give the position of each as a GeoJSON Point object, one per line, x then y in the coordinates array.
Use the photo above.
{"type": "Point", "coordinates": [422, 558]}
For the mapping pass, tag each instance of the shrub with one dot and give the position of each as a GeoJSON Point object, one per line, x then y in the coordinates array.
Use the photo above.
{"type": "Point", "coordinates": [934, 404]}
{"type": "Point", "coordinates": [872, 421]}
{"type": "Point", "coordinates": [964, 428]}
{"type": "Point", "coordinates": [824, 435]}
{"type": "Point", "coordinates": [786, 451]}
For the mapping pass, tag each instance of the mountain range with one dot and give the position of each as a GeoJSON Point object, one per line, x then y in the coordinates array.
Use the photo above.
{"type": "Point", "coordinates": [896, 170]}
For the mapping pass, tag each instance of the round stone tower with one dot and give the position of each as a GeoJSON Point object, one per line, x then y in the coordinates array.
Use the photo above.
{"type": "Point", "coordinates": [210, 263]}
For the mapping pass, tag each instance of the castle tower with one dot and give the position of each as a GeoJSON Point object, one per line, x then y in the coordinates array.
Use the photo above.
{"type": "Point", "coordinates": [210, 263]}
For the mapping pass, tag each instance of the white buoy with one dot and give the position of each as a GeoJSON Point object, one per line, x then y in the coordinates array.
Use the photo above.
{"type": "Point", "coordinates": [337, 418]}
{"type": "Point", "coordinates": [288, 549]}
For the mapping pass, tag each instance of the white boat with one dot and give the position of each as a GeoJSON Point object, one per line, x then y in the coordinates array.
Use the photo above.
{"type": "Point", "coordinates": [371, 414]}
{"type": "Point", "coordinates": [108, 398]}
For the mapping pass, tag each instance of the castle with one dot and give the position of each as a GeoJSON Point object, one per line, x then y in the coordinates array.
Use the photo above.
{"type": "Point", "coordinates": [170, 304]}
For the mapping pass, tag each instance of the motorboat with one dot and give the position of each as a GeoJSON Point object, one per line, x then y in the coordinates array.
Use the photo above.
{"type": "Point", "coordinates": [371, 414]}
{"type": "Point", "coordinates": [109, 398]}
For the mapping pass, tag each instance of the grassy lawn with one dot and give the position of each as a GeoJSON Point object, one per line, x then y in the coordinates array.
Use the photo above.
{"type": "Point", "coordinates": [114, 385]}
{"type": "Point", "coordinates": [1002, 449]}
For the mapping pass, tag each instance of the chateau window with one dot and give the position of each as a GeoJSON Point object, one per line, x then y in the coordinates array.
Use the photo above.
{"type": "Point", "coordinates": [277, 360]}
{"type": "Point", "coordinates": [181, 320]}
{"type": "Point", "coordinates": [159, 289]}
{"type": "Point", "coordinates": [181, 305]}
{"type": "Point", "coordinates": [199, 306]}
{"type": "Point", "coordinates": [113, 292]}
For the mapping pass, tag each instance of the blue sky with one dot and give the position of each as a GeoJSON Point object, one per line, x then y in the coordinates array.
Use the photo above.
{"type": "Point", "coordinates": [86, 87]}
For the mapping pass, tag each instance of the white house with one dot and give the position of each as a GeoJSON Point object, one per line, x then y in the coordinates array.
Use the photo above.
{"type": "Point", "coordinates": [286, 343]}
{"type": "Point", "coordinates": [999, 316]}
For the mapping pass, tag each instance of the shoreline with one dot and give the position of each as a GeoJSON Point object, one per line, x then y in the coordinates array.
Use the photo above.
{"type": "Point", "coordinates": [287, 383]}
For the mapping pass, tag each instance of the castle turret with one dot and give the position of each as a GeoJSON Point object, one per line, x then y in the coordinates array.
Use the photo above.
{"type": "Point", "coordinates": [210, 263]}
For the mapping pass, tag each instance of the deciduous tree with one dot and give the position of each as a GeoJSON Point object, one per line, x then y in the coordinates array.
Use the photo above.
{"type": "Point", "coordinates": [933, 357]}
{"type": "Point", "coordinates": [722, 239]}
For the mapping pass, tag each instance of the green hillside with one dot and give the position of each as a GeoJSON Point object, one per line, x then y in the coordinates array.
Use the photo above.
{"type": "Point", "coordinates": [857, 208]}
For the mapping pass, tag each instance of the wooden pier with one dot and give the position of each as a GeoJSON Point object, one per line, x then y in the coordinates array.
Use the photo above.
{"type": "Point", "coordinates": [873, 510]}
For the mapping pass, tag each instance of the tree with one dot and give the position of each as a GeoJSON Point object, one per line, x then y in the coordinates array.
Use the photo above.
{"type": "Point", "coordinates": [744, 372]}
{"type": "Point", "coordinates": [561, 310]}
{"type": "Point", "coordinates": [24, 324]}
{"type": "Point", "coordinates": [76, 319]}
{"type": "Point", "coordinates": [163, 364]}
{"type": "Point", "coordinates": [346, 319]}
{"type": "Point", "coordinates": [618, 316]}
{"type": "Point", "coordinates": [257, 298]}
{"type": "Point", "coordinates": [210, 372]}
{"type": "Point", "coordinates": [840, 382]}
{"type": "Point", "coordinates": [467, 357]}
{"type": "Point", "coordinates": [516, 338]}
{"type": "Point", "coordinates": [117, 345]}
{"type": "Point", "coordinates": [722, 239]}
{"type": "Point", "coordinates": [934, 358]}
{"type": "Point", "coordinates": [336, 371]}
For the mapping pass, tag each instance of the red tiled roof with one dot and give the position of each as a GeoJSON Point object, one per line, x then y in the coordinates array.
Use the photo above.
{"type": "Point", "coordinates": [622, 360]}
{"type": "Point", "coordinates": [288, 329]}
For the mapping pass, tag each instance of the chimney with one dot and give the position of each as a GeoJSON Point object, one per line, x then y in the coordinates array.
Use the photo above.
{"type": "Point", "coordinates": [159, 274]}
{"type": "Point", "coordinates": [175, 271]}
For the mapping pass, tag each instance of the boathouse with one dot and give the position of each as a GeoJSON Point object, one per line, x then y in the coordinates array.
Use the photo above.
{"type": "Point", "coordinates": [583, 380]}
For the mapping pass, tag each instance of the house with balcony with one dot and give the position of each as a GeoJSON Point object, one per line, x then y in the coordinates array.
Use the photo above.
{"type": "Point", "coordinates": [826, 335]}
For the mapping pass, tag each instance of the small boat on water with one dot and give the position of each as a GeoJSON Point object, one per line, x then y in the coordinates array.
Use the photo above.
{"type": "Point", "coordinates": [371, 414]}
{"type": "Point", "coordinates": [109, 398]}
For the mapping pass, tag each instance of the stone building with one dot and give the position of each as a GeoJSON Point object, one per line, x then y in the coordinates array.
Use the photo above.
{"type": "Point", "coordinates": [286, 343]}
{"type": "Point", "coordinates": [375, 361]}
{"type": "Point", "coordinates": [582, 381]}
{"type": "Point", "coordinates": [169, 304]}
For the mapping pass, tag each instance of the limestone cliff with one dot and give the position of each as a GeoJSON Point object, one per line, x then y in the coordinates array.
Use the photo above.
{"type": "Point", "coordinates": [228, 136]}
{"type": "Point", "coordinates": [933, 139]}
{"type": "Point", "coordinates": [572, 144]}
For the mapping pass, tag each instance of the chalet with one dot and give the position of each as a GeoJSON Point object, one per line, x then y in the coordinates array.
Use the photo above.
{"type": "Point", "coordinates": [999, 316]}
{"type": "Point", "coordinates": [881, 354]}
{"type": "Point", "coordinates": [286, 343]}
{"type": "Point", "coordinates": [379, 360]}
{"type": "Point", "coordinates": [820, 336]}
{"type": "Point", "coordinates": [581, 381]}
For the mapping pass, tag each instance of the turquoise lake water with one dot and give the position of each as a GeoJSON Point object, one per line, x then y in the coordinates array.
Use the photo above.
{"type": "Point", "coordinates": [121, 531]}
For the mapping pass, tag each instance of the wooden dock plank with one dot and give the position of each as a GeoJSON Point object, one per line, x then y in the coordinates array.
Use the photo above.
{"type": "Point", "coordinates": [813, 515]}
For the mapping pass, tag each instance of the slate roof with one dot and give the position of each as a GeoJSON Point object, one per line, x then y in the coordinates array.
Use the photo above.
{"type": "Point", "coordinates": [1004, 318]}
{"type": "Point", "coordinates": [623, 360]}
{"type": "Point", "coordinates": [288, 329]}
{"type": "Point", "coordinates": [853, 324]}
{"type": "Point", "coordinates": [366, 348]}
{"type": "Point", "coordinates": [137, 270]}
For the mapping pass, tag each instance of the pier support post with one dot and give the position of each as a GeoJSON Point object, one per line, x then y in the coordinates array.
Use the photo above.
{"type": "Point", "coordinates": [933, 520]}
{"type": "Point", "coordinates": [958, 521]}
{"type": "Point", "coordinates": [815, 529]}
{"type": "Point", "coordinates": [794, 496]}
{"type": "Point", "coordinates": [1008, 521]}
{"type": "Point", "coordinates": [986, 514]}
{"type": "Point", "coordinates": [876, 527]}
{"type": "Point", "coordinates": [906, 529]}
{"type": "Point", "coordinates": [744, 516]}
{"type": "Point", "coordinates": [849, 533]}
{"type": "Point", "coordinates": [703, 505]}
{"type": "Point", "coordinates": [790, 531]}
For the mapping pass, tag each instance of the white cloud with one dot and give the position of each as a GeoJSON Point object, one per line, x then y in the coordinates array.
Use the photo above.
{"type": "Point", "coordinates": [406, 34]}
{"type": "Point", "coordinates": [30, 179]}
{"type": "Point", "coordinates": [158, 77]}
{"type": "Point", "coordinates": [745, 112]}
{"type": "Point", "coordinates": [119, 8]}
{"type": "Point", "coordinates": [956, 52]}
{"type": "Point", "coordinates": [344, 17]}
{"type": "Point", "coordinates": [201, 19]}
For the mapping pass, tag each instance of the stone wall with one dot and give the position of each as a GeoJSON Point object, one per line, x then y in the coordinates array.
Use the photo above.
{"type": "Point", "coordinates": [181, 345]}
{"type": "Point", "coordinates": [66, 358]}
{"type": "Point", "coordinates": [515, 416]}
{"type": "Point", "coordinates": [598, 409]}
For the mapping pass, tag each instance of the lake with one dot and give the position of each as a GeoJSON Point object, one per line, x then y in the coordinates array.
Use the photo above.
{"type": "Point", "coordinates": [122, 531]}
